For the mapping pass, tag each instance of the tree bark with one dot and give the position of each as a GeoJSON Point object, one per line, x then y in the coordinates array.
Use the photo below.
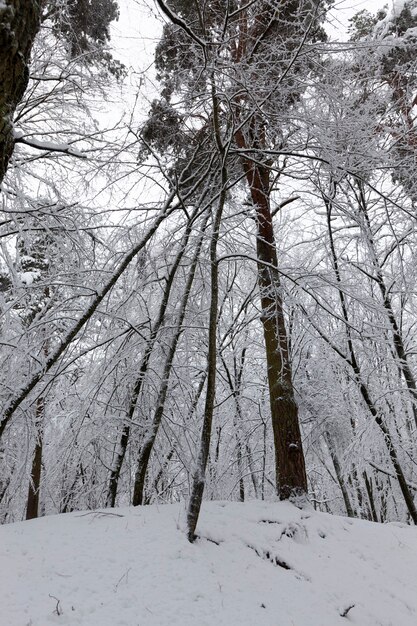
{"type": "Point", "coordinates": [235, 389]}
{"type": "Point", "coordinates": [19, 23]}
{"type": "Point", "coordinates": [291, 478]}
{"type": "Point", "coordinates": [32, 509]}
{"type": "Point", "coordinates": [338, 471]}
{"type": "Point", "coordinates": [370, 492]}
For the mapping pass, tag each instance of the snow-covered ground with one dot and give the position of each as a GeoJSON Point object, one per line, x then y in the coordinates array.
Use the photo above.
{"type": "Point", "coordinates": [254, 564]}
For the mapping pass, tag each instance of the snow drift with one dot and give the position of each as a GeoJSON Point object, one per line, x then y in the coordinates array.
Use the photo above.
{"type": "Point", "coordinates": [257, 563]}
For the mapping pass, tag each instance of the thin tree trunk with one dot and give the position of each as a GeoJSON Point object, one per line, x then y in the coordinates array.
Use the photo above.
{"type": "Point", "coordinates": [251, 469]}
{"type": "Point", "coordinates": [235, 388]}
{"type": "Point", "coordinates": [370, 493]}
{"type": "Point", "coordinates": [351, 359]}
{"type": "Point", "coordinates": [4, 484]}
{"type": "Point", "coordinates": [399, 347]}
{"type": "Point", "coordinates": [160, 474]}
{"type": "Point", "coordinates": [3, 489]}
{"type": "Point", "coordinates": [198, 480]}
{"type": "Point", "coordinates": [383, 497]}
{"type": "Point", "coordinates": [408, 498]}
{"type": "Point", "coordinates": [125, 435]}
{"type": "Point", "coordinates": [149, 440]}
{"type": "Point", "coordinates": [264, 450]}
{"type": "Point", "coordinates": [117, 467]}
{"type": "Point", "coordinates": [66, 500]}
{"type": "Point", "coordinates": [338, 472]}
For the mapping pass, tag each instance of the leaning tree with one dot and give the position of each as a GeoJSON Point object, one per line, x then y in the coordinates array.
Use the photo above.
{"type": "Point", "coordinates": [235, 74]}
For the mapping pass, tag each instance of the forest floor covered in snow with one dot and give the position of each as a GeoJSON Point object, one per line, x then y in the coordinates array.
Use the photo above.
{"type": "Point", "coordinates": [254, 564]}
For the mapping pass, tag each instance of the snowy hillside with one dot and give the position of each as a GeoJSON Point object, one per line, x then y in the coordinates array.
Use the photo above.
{"type": "Point", "coordinates": [256, 563]}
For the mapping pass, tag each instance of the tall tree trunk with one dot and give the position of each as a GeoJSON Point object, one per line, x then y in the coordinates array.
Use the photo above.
{"type": "Point", "coordinates": [198, 479]}
{"type": "Point", "coordinates": [19, 23]}
{"type": "Point", "coordinates": [32, 509]}
{"type": "Point", "coordinates": [291, 478]}
{"type": "Point", "coordinates": [235, 388]}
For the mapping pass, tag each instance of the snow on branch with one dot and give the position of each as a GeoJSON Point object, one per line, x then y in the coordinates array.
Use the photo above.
{"type": "Point", "coordinates": [49, 146]}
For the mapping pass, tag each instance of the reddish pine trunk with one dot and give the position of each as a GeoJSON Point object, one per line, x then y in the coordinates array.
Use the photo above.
{"type": "Point", "coordinates": [290, 466]}
{"type": "Point", "coordinates": [291, 479]}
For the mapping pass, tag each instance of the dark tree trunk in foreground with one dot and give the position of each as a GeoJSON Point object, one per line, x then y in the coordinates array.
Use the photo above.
{"type": "Point", "coordinates": [257, 39]}
{"type": "Point", "coordinates": [32, 509]}
{"type": "Point", "coordinates": [19, 23]}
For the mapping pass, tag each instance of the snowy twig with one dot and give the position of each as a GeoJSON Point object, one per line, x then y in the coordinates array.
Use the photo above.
{"type": "Point", "coordinates": [390, 474]}
{"type": "Point", "coordinates": [346, 610]}
{"type": "Point", "coordinates": [100, 514]}
{"type": "Point", "coordinates": [125, 575]}
{"type": "Point", "coordinates": [58, 609]}
{"type": "Point", "coordinates": [49, 146]}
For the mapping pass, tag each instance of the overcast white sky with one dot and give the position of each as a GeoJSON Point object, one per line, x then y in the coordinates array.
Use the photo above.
{"type": "Point", "coordinates": [138, 29]}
